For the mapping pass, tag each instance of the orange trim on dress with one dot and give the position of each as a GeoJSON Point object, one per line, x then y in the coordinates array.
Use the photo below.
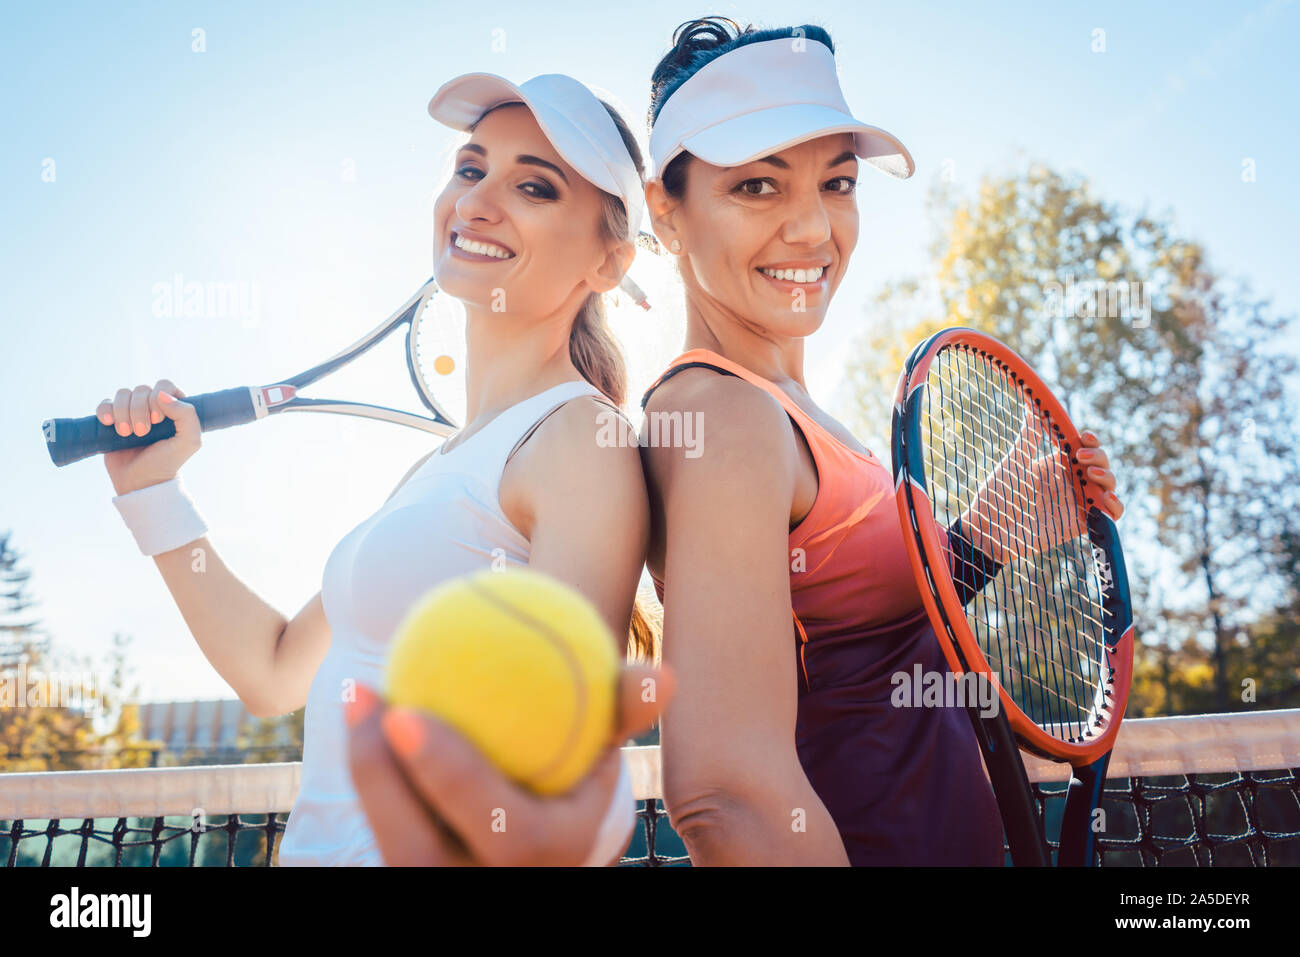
{"type": "Point", "coordinates": [803, 643]}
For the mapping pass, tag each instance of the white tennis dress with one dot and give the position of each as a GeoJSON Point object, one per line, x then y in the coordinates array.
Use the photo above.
{"type": "Point", "coordinates": [444, 522]}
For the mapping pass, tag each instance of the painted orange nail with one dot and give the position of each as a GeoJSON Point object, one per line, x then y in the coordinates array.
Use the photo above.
{"type": "Point", "coordinates": [406, 732]}
{"type": "Point", "coordinates": [361, 707]}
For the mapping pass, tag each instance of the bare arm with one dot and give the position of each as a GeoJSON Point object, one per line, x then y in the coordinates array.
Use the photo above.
{"type": "Point", "coordinates": [303, 644]}
{"type": "Point", "coordinates": [269, 661]}
{"type": "Point", "coordinates": [733, 783]}
{"type": "Point", "coordinates": [583, 508]}
{"type": "Point", "coordinates": [239, 633]}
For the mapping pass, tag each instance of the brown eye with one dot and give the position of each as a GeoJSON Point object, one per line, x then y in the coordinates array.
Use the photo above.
{"type": "Point", "coordinates": [843, 184]}
{"type": "Point", "coordinates": [539, 190]}
{"type": "Point", "coordinates": [755, 187]}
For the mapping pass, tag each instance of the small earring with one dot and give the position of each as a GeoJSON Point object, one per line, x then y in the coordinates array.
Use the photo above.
{"type": "Point", "coordinates": [675, 246]}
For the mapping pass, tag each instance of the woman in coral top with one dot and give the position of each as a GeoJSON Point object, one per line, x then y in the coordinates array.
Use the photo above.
{"type": "Point", "coordinates": [776, 544]}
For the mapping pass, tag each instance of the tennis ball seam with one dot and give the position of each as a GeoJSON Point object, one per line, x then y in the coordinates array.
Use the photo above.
{"type": "Point", "coordinates": [575, 670]}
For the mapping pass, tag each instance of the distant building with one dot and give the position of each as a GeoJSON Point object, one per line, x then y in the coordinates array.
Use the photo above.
{"type": "Point", "coordinates": [214, 732]}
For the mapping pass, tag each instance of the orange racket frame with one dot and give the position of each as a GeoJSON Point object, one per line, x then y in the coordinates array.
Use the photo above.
{"type": "Point", "coordinates": [926, 552]}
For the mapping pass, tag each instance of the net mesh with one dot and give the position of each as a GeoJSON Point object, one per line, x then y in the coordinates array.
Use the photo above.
{"type": "Point", "coordinates": [1206, 820]}
{"type": "Point", "coordinates": [1215, 790]}
{"type": "Point", "coordinates": [233, 840]}
{"type": "Point", "coordinates": [997, 466]}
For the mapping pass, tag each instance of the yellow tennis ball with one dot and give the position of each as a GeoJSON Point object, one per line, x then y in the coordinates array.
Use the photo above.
{"type": "Point", "coordinates": [520, 664]}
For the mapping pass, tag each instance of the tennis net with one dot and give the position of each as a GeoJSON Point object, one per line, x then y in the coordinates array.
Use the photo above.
{"type": "Point", "coordinates": [1209, 790]}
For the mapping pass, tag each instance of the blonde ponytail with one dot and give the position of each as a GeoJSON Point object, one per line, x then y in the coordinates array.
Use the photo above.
{"type": "Point", "coordinates": [596, 355]}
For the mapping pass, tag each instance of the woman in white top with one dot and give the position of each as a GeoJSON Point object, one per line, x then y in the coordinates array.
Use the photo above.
{"type": "Point", "coordinates": [538, 220]}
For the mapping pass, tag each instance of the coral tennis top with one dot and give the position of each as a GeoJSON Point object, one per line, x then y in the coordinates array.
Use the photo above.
{"type": "Point", "coordinates": [903, 785]}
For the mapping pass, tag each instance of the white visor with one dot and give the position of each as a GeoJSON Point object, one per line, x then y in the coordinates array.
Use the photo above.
{"type": "Point", "coordinates": [762, 98]}
{"type": "Point", "coordinates": [570, 115]}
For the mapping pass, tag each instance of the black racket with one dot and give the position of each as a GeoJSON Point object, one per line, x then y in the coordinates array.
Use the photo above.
{"type": "Point", "coordinates": [1020, 569]}
{"type": "Point", "coordinates": [70, 440]}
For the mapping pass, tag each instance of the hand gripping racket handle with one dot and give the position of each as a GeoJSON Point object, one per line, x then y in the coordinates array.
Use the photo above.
{"type": "Point", "coordinates": [71, 440]}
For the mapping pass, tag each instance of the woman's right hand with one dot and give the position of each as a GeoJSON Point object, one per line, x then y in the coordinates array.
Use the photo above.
{"type": "Point", "coordinates": [433, 799]}
{"type": "Point", "coordinates": [136, 411]}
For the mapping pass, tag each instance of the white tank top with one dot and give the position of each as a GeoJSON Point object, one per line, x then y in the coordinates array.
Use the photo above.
{"type": "Point", "coordinates": [444, 522]}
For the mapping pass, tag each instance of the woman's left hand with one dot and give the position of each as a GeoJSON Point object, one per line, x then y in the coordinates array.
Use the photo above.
{"type": "Point", "coordinates": [1096, 466]}
{"type": "Point", "coordinates": [1051, 482]}
{"type": "Point", "coordinates": [1022, 488]}
{"type": "Point", "coordinates": [432, 799]}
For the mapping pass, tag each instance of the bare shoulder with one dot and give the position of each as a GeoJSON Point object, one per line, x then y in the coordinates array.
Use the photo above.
{"type": "Point", "coordinates": [586, 432]}
{"type": "Point", "coordinates": [693, 389]}
{"type": "Point", "coordinates": [582, 454]}
{"type": "Point", "coordinates": [716, 424]}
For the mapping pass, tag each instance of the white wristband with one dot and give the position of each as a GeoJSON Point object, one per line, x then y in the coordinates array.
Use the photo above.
{"type": "Point", "coordinates": [161, 517]}
{"type": "Point", "coordinates": [620, 819]}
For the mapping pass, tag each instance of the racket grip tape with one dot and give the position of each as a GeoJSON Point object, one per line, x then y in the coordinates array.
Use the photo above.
{"type": "Point", "coordinates": [1078, 838]}
{"type": "Point", "coordinates": [1015, 797]}
{"type": "Point", "coordinates": [71, 440]}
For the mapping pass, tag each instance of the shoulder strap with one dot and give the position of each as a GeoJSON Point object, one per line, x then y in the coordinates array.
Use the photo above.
{"type": "Point", "coordinates": [672, 370]}
{"type": "Point", "coordinates": [528, 433]}
{"type": "Point", "coordinates": [706, 358]}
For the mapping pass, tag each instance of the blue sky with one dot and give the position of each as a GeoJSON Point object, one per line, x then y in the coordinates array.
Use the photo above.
{"type": "Point", "coordinates": [294, 155]}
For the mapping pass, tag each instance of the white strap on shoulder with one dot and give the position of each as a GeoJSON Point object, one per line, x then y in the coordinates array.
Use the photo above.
{"type": "Point", "coordinates": [581, 389]}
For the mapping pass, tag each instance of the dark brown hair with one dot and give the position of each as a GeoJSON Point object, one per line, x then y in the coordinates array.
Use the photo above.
{"type": "Point", "coordinates": [696, 43]}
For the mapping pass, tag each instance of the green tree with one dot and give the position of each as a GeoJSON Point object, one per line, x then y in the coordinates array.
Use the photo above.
{"type": "Point", "coordinates": [278, 738]}
{"type": "Point", "coordinates": [1177, 368]}
{"type": "Point", "coordinates": [58, 711]}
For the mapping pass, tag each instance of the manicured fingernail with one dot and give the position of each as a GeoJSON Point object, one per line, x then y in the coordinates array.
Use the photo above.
{"type": "Point", "coordinates": [360, 707]}
{"type": "Point", "coordinates": [406, 731]}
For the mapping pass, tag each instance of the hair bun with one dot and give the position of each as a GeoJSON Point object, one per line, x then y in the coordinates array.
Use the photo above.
{"type": "Point", "coordinates": [698, 42]}
{"type": "Point", "coordinates": [705, 33]}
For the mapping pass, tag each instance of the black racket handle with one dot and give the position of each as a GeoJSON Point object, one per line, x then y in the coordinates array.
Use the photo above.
{"type": "Point", "coordinates": [1015, 796]}
{"type": "Point", "coordinates": [71, 440]}
{"type": "Point", "coordinates": [1078, 839]}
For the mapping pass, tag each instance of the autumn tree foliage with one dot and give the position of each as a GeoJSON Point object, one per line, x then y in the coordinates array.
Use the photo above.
{"type": "Point", "coordinates": [1184, 374]}
{"type": "Point", "coordinates": [58, 711]}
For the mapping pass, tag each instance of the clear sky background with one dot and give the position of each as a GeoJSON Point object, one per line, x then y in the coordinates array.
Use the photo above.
{"type": "Point", "coordinates": [295, 155]}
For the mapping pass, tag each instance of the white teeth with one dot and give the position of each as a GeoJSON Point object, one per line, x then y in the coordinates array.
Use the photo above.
{"type": "Point", "coordinates": [796, 275]}
{"type": "Point", "coordinates": [483, 249]}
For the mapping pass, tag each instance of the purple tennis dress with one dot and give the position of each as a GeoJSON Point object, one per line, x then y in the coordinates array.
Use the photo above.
{"type": "Point", "coordinates": [904, 785]}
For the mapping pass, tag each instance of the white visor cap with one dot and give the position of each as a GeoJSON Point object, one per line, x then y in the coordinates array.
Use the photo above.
{"type": "Point", "coordinates": [573, 119]}
{"type": "Point", "coordinates": [762, 98]}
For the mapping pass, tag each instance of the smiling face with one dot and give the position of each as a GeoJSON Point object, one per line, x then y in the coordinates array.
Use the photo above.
{"type": "Point", "coordinates": [516, 220]}
{"type": "Point", "coordinates": [769, 241]}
